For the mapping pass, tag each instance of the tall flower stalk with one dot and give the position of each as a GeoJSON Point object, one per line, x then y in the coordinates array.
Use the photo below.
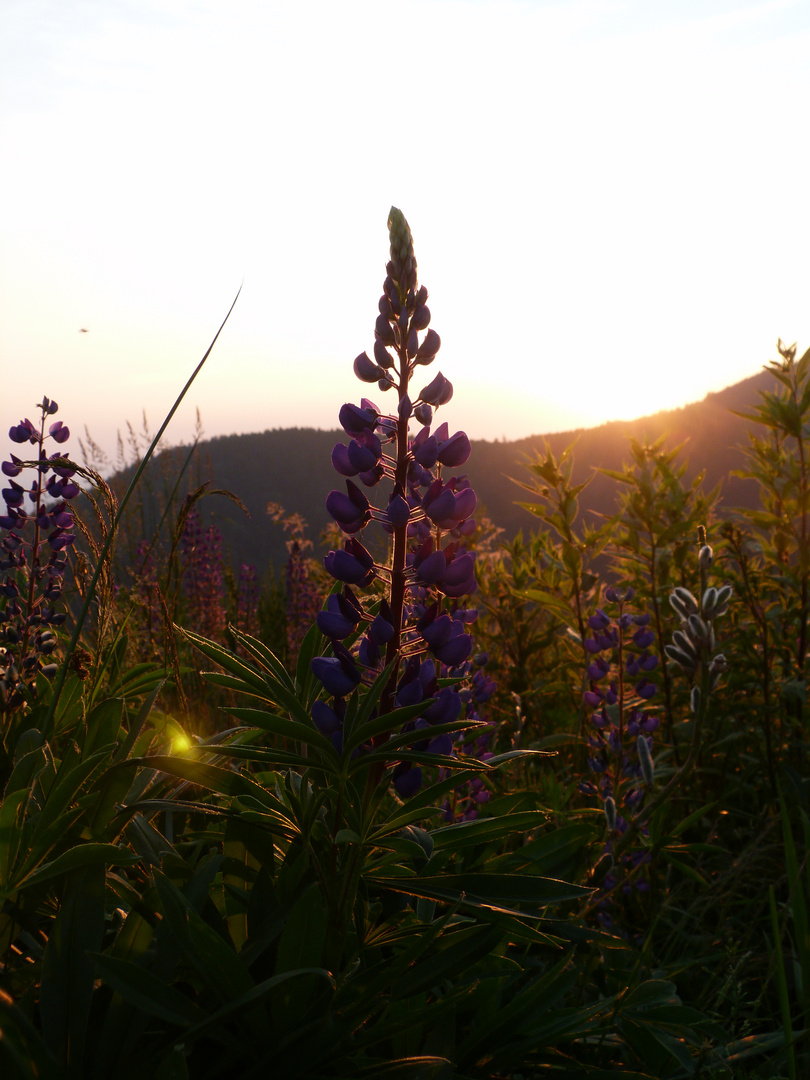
{"type": "Point", "coordinates": [417, 627]}
{"type": "Point", "coordinates": [37, 526]}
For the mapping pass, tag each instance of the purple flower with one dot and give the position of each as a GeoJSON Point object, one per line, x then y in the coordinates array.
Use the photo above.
{"type": "Point", "coordinates": [58, 432]}
{"type": "Point", "coordinates": [341, 616]}
{"type": "Point", "coordinates": [428, 349]}
{"type": "Point", "coordinates": [364, 451]}
{"type": "Point", "coordinates": [338, 674]}
{"type": "Point", "coordinates": [341, 461]}
{"type": "Point", "coordinates": [407, 779]}
{"type": "Point", "coordinates": [398, 511]}
{"type": "Point", "coordinates": [453, 451]}
{"type": "Point", "coordinates": [325, 718]}
{"type": "Point", "coordinates": [350, 511]}
{"type": "Point", "coordinates": [23, 432]}
{"type": "Point", "coordinates": [365, 369]}
{"type": "Point", "coordinates": [438, 392]}
{"type": "Point", "coordinates": [353, 566]}
{"type": "Point", "coordinates": [356, 421]}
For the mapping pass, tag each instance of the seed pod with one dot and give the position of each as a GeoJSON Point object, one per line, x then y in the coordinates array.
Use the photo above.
{"type": "Point", "coordinates": [610, 812]}
{"type": "Point", "coordinates": [705, 557]}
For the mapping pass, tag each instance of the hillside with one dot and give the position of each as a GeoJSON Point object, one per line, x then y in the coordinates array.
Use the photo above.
{"type": "Point", "coordinates": [292, 467]}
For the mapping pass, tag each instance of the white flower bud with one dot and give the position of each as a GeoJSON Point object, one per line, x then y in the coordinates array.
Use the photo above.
{"type": "Point", "coordinates": [717, 668]}
{"type": "Point", "coordinates": [685, 643]}
{"type": "Point", "coordinates": [687, 662]}
{"type": "Point", "coordinates": [697, 630]}
{"type": "Point", "coordinates": [709, 601]}
{"type": "Point", "coordinates": [683, 598]}
{"type": "Point", "coordinates": [645, 759]}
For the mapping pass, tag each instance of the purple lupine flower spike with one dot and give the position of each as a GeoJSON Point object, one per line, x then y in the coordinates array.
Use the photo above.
{"type": "Point", "coordinates": [37, 530]}
{"type": "Point", "coordinates": [427, 571]}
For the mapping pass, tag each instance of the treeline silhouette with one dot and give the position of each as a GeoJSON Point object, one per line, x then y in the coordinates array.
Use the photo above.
{"type": "Point", "coordinates": [290, 467]}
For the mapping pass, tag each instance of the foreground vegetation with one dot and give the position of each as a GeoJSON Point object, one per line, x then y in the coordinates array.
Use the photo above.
{"type": "Point", "coordinates": [449, 806]}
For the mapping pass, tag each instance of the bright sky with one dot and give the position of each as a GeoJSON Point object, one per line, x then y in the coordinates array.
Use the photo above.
{"type": "Point", "coordinates": [608, 199]}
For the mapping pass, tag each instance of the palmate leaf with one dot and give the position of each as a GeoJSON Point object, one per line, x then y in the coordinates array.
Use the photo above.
{"type": "Point", "coordinates": [79, 857]}
{"type": "Point", "coordinates": [284, 726]}
{"type": "Point", "coordinates": [203, 773]}
{"type": "Point", "coordinates": [52, 825]}
{"type": "Point", "coordinates": [363, 727]}
{"type": "Point", "coordinates": [245, 679]}
{"type": "Point", "coordinates": [552, 602]}
{"type": "Point", "coordinates": [421, 757]}
{"type": "Point", "coordinates": [264, 657]}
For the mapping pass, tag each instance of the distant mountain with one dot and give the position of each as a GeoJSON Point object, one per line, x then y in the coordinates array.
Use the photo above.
{"type": "Point", "coordinates": [292, 467]}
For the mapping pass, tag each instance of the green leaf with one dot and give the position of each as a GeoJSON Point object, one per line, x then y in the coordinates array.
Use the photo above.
{"type": "Point", "coordinates": [12, 816]}
{"type": "Point", "coordinates": [486, 889]}
{"type": "Point", "coordinates": [208, 951]}
{"type": "Point", "coordinates": [283, 726]}
{"type": "Point", "coordinates": [67, 972]}
{"type": "Point", "coordinates": [264, 657]}
{"type": "Point", "coordinates": [146, 992]}
{"type": "Point", "coordinates": [486, 830]}
{"type": "Point", "coordinates": [685, 868]}
{"type": "Point", "coordinates": [453, 957]}
{"type": "Point", "coordinates": [301, 945]}
{"type": "Point", "coordinates": [103, 725]}
{"type": "Point", "coordinates": [552, 849]}
{"type": "Point", "coordinates": [417, 1067]}
{"type": "Point", "coordinates": [78, 857]}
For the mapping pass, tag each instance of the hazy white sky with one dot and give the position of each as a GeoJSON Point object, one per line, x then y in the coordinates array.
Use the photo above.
{"type": "Point", "coordinates": [609, 202]}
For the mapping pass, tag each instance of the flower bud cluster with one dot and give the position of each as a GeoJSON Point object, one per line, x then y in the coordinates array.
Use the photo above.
{"type": "Point", "coordinates": [37, 532]}
{"type": "Point", "coordinates": [695, 642]}
{"type": "Point", "coordinates": [421, 624]}
{"type": "Point", "coordinates": [621, 737]}
{"type": "Point", "coordinates": [202, 582]}
{"type": "Point", "coordinates": [466, 800]}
